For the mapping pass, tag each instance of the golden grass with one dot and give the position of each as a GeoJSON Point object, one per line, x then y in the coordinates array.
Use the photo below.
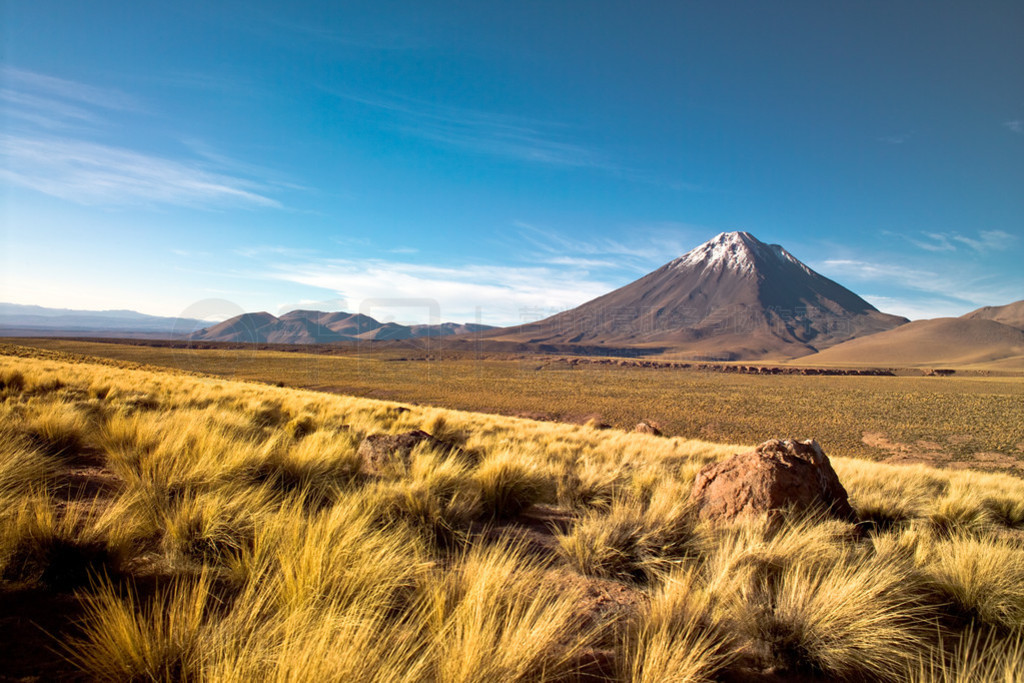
{"type": "Point", "coordinates": [234, 537]}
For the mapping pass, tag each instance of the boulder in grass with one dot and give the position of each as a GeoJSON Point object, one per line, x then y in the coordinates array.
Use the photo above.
{"type": "Point", "coordinates": [775, 476]}
{"type": "Point", "coordinates": [380, 453]}
{"type": "Point", "coordinates": [647, 427]}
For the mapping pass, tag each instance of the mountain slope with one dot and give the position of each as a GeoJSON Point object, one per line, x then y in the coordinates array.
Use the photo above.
{"type": "Point", "coordinates": [1010, 314]}
{"type": "Point", "coordinates": [935, 342]}
{"type": "Point", "coordinates": [733, 297]}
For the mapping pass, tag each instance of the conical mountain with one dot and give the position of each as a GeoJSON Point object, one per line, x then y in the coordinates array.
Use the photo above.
{"type": "Point", "coordinates": [733, 297]}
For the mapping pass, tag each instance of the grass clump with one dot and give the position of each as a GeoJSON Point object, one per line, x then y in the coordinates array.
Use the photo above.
{"type": "Point", "coordinates": [509, 484]}
{"type": "Point", "coordinates": [41, 547]}
{"type": "Point", "coordinates": [854, 619]}
{"type": "Point", "coordinates": [982, 578]}
{"type": "Point", "coordinates": [634, 541]}
{"type": "Point", "coordinates": [12, 381]}
{"type": "Point", "coordinates": [676, 636]}
{"type": "Point", "coordinates": [59, 431]}
{"type": "Point", "coordinates": [496, 617]}
{"type": "Point", "coordinates": [159, 638]}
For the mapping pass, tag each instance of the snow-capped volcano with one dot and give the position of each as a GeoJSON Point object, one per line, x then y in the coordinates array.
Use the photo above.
{"type": "Point", "coordinates": [732, 297]}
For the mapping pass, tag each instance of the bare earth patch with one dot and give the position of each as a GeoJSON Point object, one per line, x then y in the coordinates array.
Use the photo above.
{"type": "Point", "coordinates": [935, 454]}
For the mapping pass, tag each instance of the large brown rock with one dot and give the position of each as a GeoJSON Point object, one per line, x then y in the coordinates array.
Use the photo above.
{"type": "Point", "coordinates": [379, 453]}
{"type": "Point", "coordinates": [769, 479]}
{"type": "Point", "coordinates": [647, 427]}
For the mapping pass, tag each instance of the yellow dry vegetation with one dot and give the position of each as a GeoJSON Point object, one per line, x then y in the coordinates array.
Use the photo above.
{"type": "Point", "coordinates": [216, 530]}
{"type": "Point", "coordinates": [964, 420]}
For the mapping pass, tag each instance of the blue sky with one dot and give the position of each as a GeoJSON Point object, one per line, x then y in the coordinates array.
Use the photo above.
{"type": "Point", "coordinates": [506, 160]}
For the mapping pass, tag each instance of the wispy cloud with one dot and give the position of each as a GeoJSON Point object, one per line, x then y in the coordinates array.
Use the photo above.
{"type": "Point", "coordinates": [58, 147]}
{"type": "Point", "coordinates": [1016, 125]}
{"type": "Point", "coordinates": [481, 132]}
{"type": "Point", "coordinates": [985, 241]}
{"type": "Point", "coordinates": [91, 173]}
{"type": "Point", "coordinates": [500, 295]}
{"type": "Point", "coordinates": [650, 247]}
{"type": "Point", "coordinates": [938, 292]}
{"type": "Point", "coordinates": [933, 242]}
{"type": "Point", "coordinates": [105, 98]}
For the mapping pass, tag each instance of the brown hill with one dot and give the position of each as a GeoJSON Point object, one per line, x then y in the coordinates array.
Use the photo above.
{"type": "Point", "coordinates": [932, 343]}
{"type": "Point", "coordinates": [318, 327]}
{"type": "Point", "coordinates": [734, 297]}
{"type": "Point", "coordinates": [1010, 314]}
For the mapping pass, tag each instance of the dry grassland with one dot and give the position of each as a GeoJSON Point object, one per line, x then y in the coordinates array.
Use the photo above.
{"type": "Point", "coordinates": [163, 526]}
{"type": "Point", "coordinates": [962, 421]}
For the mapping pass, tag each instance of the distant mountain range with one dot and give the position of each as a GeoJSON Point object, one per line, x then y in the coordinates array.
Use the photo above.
{"type": "Point", "coordinates": [733, 297]}
{"type": "Point", "coordinates": [319, 327]}
{"type": "Point", "coordinates": [20, 320]}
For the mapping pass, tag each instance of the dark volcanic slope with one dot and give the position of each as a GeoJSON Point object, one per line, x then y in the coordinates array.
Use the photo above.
{"type": "Point", "coordinates": [318, 327]}
{"type": "Point", "coordinates": [733, 297]}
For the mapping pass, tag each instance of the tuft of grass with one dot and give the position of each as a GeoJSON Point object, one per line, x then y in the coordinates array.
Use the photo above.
{"type": "Point", "coordinates": [676, 637]}
{"type": "Point", "coordinates": [59, 431]}
{"type": "Point", "coordinates": [438, 498]}
{"type": "Point", "coordinates": [56, 551]}
{"type": "Point", "coordinates": [633, 541]}
{"type": "Point", "coordinates": [301, 427]}
{"type": "Point", "coordinates": [585, 485]}
{"type": "Point", "coordinates": [983, 578]}
{"type": "Point", "coordinates": [957, 513]}
{"type": "Point", "coordinates": [23, 469]}
{"type": "Point", "coordinates": [99, 391]}
{"type": "Point", "coordinates": [209, 529]}
{"type": "Point", "coordinates": [162, 638]}
{"type": "Point", "coordinates": [509, 484]}
{"type": "Point", "coordinates": [11, 381]}
{"type": "Point", "coordinates": [979, 657]}
{"type": "Point", "coordinates": [496, 617]}
{"type": "Point", "coordinates": [268, 415]}
{"type": "Point", "coordinates": [1006, 510]}
{"type": "Point", "coordinates": [850, 620]}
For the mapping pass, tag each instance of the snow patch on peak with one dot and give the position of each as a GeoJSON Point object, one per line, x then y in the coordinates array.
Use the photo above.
{"type": "Point", "coordinates": [733, 250]}
{"type": "Point", "coordinates": [737, 251]}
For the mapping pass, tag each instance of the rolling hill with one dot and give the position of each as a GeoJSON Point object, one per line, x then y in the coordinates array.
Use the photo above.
{"type": "Point", "coordinates": [934, 342]}
{"type": "Point", "coordinates": [975, 339]}
{"type": "Point", "coordinates": [1010, 314]}
{"type": "Point", "coordinates": [318, 327]}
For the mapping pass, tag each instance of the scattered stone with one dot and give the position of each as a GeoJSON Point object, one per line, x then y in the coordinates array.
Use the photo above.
{"type": "Point", "coordinates": [647, 427]}
{"type": "Point", "coordinates": [597, 423]}
{"type": "Point", "coordinates": [774, 476]}
{"type": "Point", "coordinates": [379, 453]}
